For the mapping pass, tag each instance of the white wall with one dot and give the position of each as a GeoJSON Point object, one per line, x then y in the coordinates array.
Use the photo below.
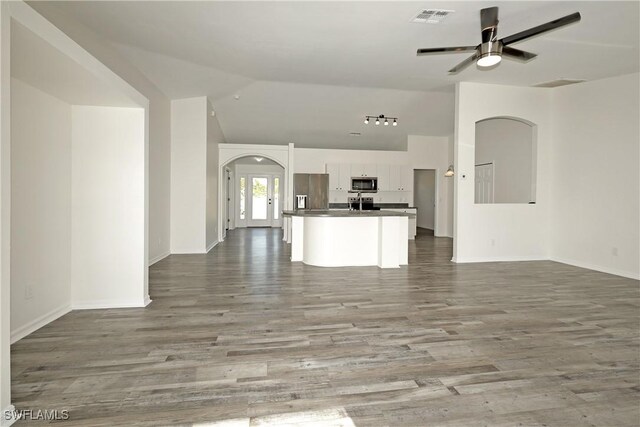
{"type": "Point", "coordinates": [195, 137]}
{"type": "Point", "coordinates": [5, 209]}
{"type": "Point", "coordinates": [188, 175]}
{"type": "Point", "coordinates": [509, 145]}
{"type": "Point", "coordinates": [596, 182]}
{"type": "Point", "coordinates": [108, 265]}
{"type": "Point", "coordinates": [424, 196]}
{"type": "Point", "coordinates": [214, 137]}
{"type": "Point", "coordinates": [159, 122]}
{"type": "Point", "coordinates": [40, 209]}
{"type": "Point", "coordinates": [487, 232]}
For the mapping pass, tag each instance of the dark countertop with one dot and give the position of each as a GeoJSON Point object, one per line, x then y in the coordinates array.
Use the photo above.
{"type": "Point", "coordinates": [375, 205]}
{"type": "Point", "coordinates": [344, 213]}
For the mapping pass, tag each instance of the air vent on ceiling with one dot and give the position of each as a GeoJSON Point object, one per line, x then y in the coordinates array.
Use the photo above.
{"type": "Point", "coordinates": [559, 82]}
{"type": "Point", "coordinates": [431, 16]}
{"type": "Point", "coordinates": [354, 134]}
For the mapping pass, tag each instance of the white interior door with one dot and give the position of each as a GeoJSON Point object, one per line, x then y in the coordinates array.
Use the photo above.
{"type": "Point", "coordinates": [484, 183]}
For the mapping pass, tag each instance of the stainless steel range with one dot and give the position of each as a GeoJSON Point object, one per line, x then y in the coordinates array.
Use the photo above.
{"type": "Point", "coordinates": [354, 203]}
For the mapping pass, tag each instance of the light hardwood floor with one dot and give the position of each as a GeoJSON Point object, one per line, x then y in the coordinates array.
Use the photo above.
{"type": "Point", "coordinates": [243, 334]}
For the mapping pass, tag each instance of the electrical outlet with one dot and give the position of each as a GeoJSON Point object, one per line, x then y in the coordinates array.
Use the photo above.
{"type": "Point", "coordinates": [28, 292]}
{"type": "Point", "coordinates": [614, 251]}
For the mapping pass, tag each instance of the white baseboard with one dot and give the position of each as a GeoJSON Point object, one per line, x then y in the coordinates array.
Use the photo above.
{"type": "Point", "coordinates": [147, 300]}
{"type": "Point", "coordinates": [589, 266]}
{"type": "Point", "coordinates": [211, 246]}
{"type": "Point", "coordinates": [499, 259]}
{"type": "Point", "coordinates": [6, 421]}
{"type": "Point", "coordinates": [187, 252]}
{"type": "Point", "coordinates": [103, 304]}
{"type": "Point", "coordinates": [38, 323]}
{"type": "Point", "coordinates": [158, 258]}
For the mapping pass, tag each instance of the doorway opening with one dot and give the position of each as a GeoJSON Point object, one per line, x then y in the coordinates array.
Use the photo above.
{"type": "Point", "coordinates": [425, 197]}
{"type": "Point", "coordinates": [255, 190]}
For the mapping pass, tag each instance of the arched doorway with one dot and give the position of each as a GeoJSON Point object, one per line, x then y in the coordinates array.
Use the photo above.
{"type": "Point", "coordinates": [254, 193]}
{"type": "Point", "coordinates": [254, 186]}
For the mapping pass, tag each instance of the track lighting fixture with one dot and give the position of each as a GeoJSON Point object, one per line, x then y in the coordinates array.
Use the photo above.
{"type": "Point", "coordinates": [380, 118]}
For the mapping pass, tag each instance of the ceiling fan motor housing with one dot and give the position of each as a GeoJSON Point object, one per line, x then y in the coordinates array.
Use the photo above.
{"type": "Point", "coordinates": [490, 49]}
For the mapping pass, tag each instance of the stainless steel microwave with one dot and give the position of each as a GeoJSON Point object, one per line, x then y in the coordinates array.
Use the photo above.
{"type": "Point", "coordinates": [366, 184]}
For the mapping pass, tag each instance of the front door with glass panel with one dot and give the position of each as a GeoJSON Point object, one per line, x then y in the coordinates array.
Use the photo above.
{"type": "Point", "coordinates": [263, 198]}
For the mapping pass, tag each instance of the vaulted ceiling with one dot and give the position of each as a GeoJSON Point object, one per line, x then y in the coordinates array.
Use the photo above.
{"type": "Point", "coordinates": [308, 72]}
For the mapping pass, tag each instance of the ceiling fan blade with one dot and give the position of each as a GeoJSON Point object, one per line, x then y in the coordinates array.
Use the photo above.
{"type": "Point", "coordinates": [517, 54]}
{"type": "Point", "coordinates": [435, 50]}
{"type": "Point", "coordinates": [464, 64]}
{"type": "Point", "coordinates": [488, 18]}
{"type": "Point", "coordinates": [532, 32]}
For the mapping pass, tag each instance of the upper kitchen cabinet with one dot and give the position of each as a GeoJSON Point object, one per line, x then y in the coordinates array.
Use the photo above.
{"type": "Point", "coordinates": [363, 170]}
{"type": "Point", "coordinates": [382, 172]}
{"type": "Point", "coordinates": [339, 176]}
{"type": "Point", "coordinates": [399, 177]}
{"type": "Point", "coordinates": [345, 176]}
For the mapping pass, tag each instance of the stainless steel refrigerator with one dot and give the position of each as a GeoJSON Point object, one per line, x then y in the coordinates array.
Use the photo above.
{"type": "Point", "coordinates": [315, 186]}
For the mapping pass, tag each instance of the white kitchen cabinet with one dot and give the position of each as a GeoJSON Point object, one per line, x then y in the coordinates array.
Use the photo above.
{"type": "Point", "coordinates": [399, 178]}
{"type": "Point", "coordinates": [334, 176]}
{"type": "Point", "coordinates": [357, 170]}
{"type": "Point", "coordinates": [412, 220]}
{"type": "Point", "coordinates": [363, 170]}
{"type": "Point", "coordinates": [345, 176]}
{"type": "Point", "coordinates": [369, 170]}
{"type": "Point", "coordinates": [406, 178]}
{"type": "Point", "coordinates": [382, 172]}
{"type": "Point", "coordinates": [339, 176]}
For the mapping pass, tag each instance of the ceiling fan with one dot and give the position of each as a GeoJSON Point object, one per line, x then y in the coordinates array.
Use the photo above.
{"type": "Point", "coordinates": [491, 50]}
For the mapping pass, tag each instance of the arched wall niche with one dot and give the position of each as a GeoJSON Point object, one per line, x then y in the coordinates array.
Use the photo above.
{"type": "Point", "coordinates": [505, 160]}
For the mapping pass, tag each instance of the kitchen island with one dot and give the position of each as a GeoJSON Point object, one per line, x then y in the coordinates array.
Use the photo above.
{"type": "Point", "coordinates": [341, 238]}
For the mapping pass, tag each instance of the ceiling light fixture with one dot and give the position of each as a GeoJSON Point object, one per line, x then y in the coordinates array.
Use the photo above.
{"type": "Point", "coordinates": [490, 54]}
{"type": "Point", "coordinates": [381, 117]}
{"type": "Point", "coordinates": [259, 159]}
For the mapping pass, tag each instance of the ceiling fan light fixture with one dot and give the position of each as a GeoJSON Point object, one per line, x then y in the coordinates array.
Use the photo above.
{"type": "Point", "coordinates": [490, 54]}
